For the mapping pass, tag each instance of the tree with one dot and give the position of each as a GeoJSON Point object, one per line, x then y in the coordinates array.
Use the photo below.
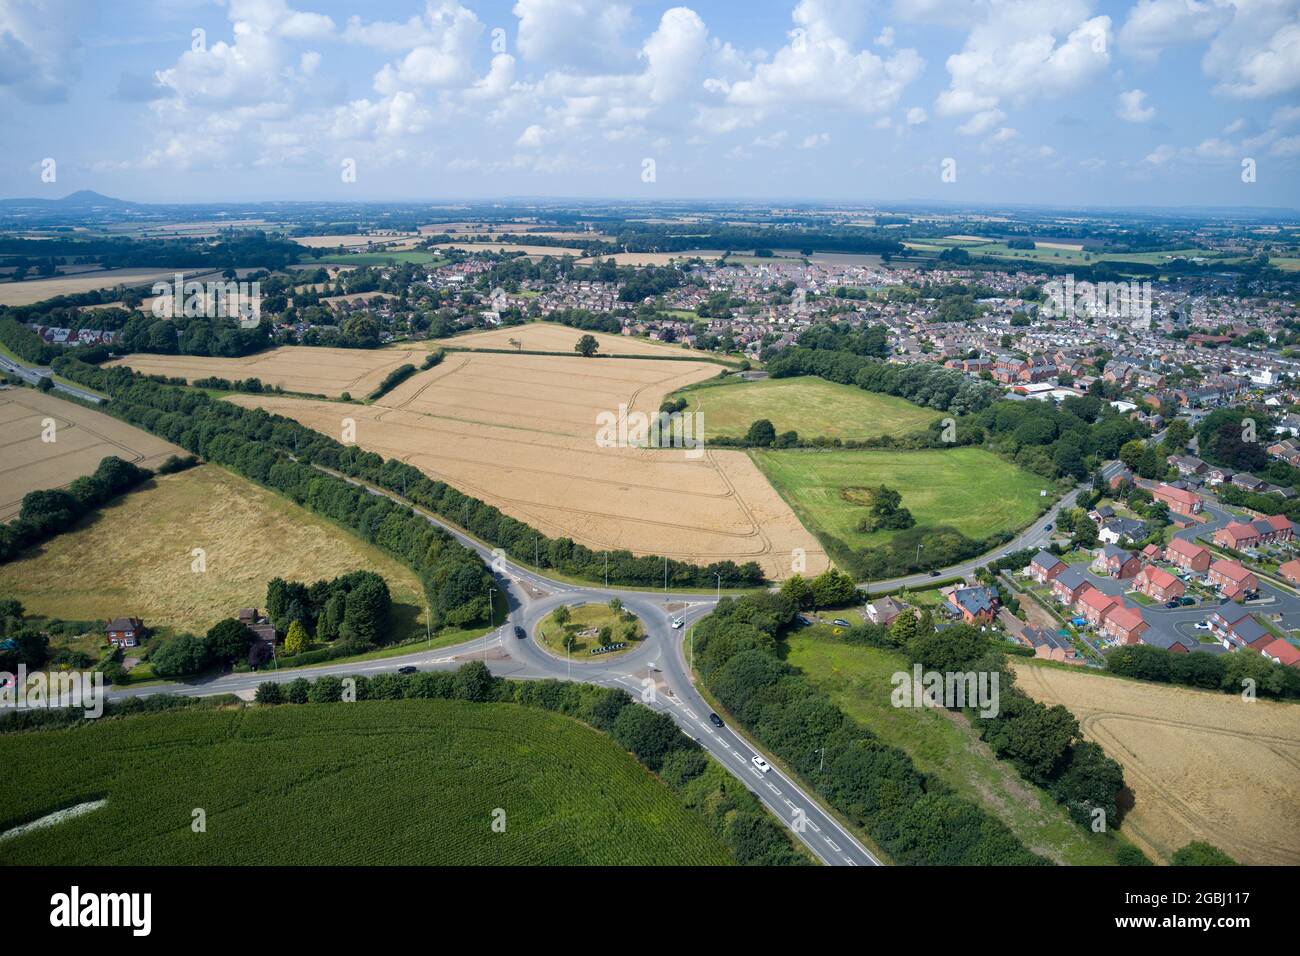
{"type": "Point", "coordinates": [229, 640]}
{"type": "Point", "coordinates": [649, 735]}
{"type": "Point", "coordinates": [180, 657]}
{"type": "Point", "coordinates": [615, 605]}
{"type": "Point", "coordinates": [561, 615]}
{"type": "Point", "coordinates": [833, 587]}
{"type": "Point", "coordinates": [761, 433]}
{"type": "Point", "coordinates": [587, 346]}
{"type": "Point", "coordinates": [297, 640]}
{"type": "Point", "coordinates": [1200, 853]}
{"type": "Point", "coordinates": [269, 692]}
{"type": "Point", "coordinates": [1085, 531]}
{"type": "Point", "coordinates": [474, 682]}
{"type": "Point", "coordinates": [798, 590]}
{"type": "Point", "coordinates": [1130, 453]}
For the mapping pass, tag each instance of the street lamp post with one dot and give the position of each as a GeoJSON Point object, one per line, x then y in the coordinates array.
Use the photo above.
{"type": "Point", "coordinates": [718, 575]}
{"type": "Point", "coordinates": [607, 569]}
{"type": "Point", "coordinates": [492, 617]}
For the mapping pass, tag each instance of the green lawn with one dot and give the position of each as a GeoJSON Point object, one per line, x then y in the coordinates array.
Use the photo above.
{"type": "Point", "coordinates": [970, 489]}
{"type": "Point", "coordinates": [806, 404]}
{"type": "Point", "coordinates": [942, 744]}
{"type": "Point", "coordinates": [584, 618]}
{"type": "Point", "coordinates": [406, 782]}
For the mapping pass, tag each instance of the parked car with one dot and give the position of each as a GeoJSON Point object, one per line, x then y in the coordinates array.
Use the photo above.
{"type": "Point", "coordinates": [1202, 625]}
{"type": "Point", "coordinates": [408, 669]}
{"type": "Point", "coordinates": [761, 764]}
{"type": "Point", "coordinates": [1187, 602]}
{"type": "Point", "coordinates": [840, 622]}
{"type": "Point", "coordinates": [1174, 603]}
{"type": "Point", "coordinates": [715, 720]}
{"type": "Point", "coordinates": [520, 632]}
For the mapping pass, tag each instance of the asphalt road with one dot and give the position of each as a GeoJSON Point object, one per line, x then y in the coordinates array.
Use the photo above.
{"type": "Point", "coordinates": [33, 374]}
{"type": "Point", "coordinates": [655, 672]}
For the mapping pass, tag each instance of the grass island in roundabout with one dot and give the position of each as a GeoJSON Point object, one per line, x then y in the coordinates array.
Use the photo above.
{"type": "Point", "coordinates": [590, 631]}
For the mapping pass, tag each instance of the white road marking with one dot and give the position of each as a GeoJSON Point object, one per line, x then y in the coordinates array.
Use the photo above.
{"type": "Point", "coordinates": [831, 843]}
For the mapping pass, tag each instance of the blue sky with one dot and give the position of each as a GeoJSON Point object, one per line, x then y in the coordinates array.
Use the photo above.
{"type": "Point", "coordinates": [1080, 102]}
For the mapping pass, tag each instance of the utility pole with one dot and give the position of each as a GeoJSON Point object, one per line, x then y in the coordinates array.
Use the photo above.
{"type": "Point", "coordinates": [607, 569]}
{"type": "Point", "coordinates": [665, 574]}
{"type": "Point", "coordinates": [718, 575]}
{"type": "Point", "coordinates": [428, 624]}
{"type": "Point", "coordinates": [491, 620]}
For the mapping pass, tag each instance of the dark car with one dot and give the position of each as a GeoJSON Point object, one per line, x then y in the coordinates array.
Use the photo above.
{"type": "Point", "coordinates": [408, 669]}
{"type": "Point", "coordinates": [1187, 602]}
{"type": "Point", "coordinates": [1047, 527]}
{"type": "Point", "coordinates": [520, 632]}
{"type": "Point", "coordinates": [717, 721]}
{"type": "Point", "coordinates": [934, 574]}
{"type": "Point", "coordinates": [1174, 603]}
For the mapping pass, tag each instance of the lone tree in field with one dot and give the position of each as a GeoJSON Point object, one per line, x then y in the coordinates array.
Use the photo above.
{"type": "Point", "coordinates": [587, 346]}
{"type": "Point", "coordinates": [761, 433]}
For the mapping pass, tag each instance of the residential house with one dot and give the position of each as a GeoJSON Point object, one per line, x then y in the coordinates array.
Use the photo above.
{"type": "Point", "coordinates": [1069, 586]}
{"type": "Point", "coordinates": [1119, 528]}
{"type": "Point", "coordinates": [1153, 552]}
{"type": "Point", "coordinates": [1282, 652]}
{"type": "Point", "coordinates": [1189, 555]}
{"type": "Point", "coordinates": [1290, 571]}
{"type": "Point", "coordinates": [1094, 605]}
{"type": "Point", "coordinates": [1237, 535]}
{"type": "Point", "coordinates": [1051, 646]}
{"type": "Point", "coordinates": [1116, 473]}
{"type": "Point", "coordinates": [1124, 624]}
{"type": "Point", "coordinates": [1159, 584]}
{"type": "Point", "coordinates": [1237, 628]}
{"type": "Point", "coordinates": [883, 610]}
{"type": "Point", "coordinates": [1180, 500]}
{"type": "Point", "coordinates": [1116, 562]}
{"type": "Point", "coordinates": [1232, 580]}
{"type": "Point", "coordinates": [125, 631]}
{"type": "Point", "coordinates": [258, 624]}
{"type": "Point", "coordinates": [976, 605]}
{"type": "Point", "coordinates": [1045, 567]}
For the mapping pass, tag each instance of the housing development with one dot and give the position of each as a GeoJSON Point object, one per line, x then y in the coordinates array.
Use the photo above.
{"type": "Point", "coordinates": [456, 510]}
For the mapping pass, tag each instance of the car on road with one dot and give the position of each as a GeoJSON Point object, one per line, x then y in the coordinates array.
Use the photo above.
{"type": "Point", "coordinates": [840, 622]}
{"type": "Point", "coordinates": [1202, 625]}
{"type": "Point", "coordinates": [761, 764]}
{"type": "Point", "coordinates": [408, 669]}
{"type": "Point", "coordinates": [1047, 527]}
{"type": "Point", "coordinates": [678, 623]}
{"type": "Point", "coordinates": [520, 632]}
{"type": "Point", "coordinates": [1187, 602]}
{"type": "Point", "coordinates": [715, 720]}
{"type": "Point", "coordinates": [1174, 603]}
{"type": "Point", "coordinates": [934, 574]}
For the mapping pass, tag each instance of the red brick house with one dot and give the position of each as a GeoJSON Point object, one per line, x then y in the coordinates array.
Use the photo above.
{"type": "Point", "coordinates": [1238, 535]}
{"type": "Point", "coordinates": [125, 631]}
{"type": "Point", "coordinates": [1094, 606]}
{"type": "Point", "coordinates": [1179, 500]}
{"type": "Point", "coordinates": [1282, 652]}
{"type": "Point", "coordinates": [1291, 571]}
{"type": "Point", "coordinates": [1153, 552]}
{"type": "Point", "coordinates": [1232, 580]}
{"type": "Point", "coordinates": [1159, 584]}
{"type": "Point", "coordinates": [1125, 625]}
{"type": "Point", "coordinates": [1046, 567]}
{"type": "Point", "coordinates": [1116, 562]}
{"type": "Point", "coordinates": [1189, 555]}
{"type": "Point", "coordinates": [1283, 529]}
{"type": "Point", "coordinates": [1069, 586]}
{"type": "Point", "coordinates": [1238, 628]}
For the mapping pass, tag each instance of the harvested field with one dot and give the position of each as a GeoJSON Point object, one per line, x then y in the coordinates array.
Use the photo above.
{"type": "Point", "coordinates": [553, 337]}
{"type": "Point", "coordinates": [82, 437]}
{"type": "Point", "coordinates": [135, 557]}
{"type": "Point", "coordinates": [654, 258]}
{"type": "Point", "coordinates": [296, 368]}
{"type": "Point", "coordinates": [38, 290]}
{"type": "Point", "coordinates": [347, 241]}
{"type": "Point", "coordinates": [1201, 765]}
{"type": "Point", "coordinates": [519, 431]}
{"type": "Point", "coordinates": [555, 251]}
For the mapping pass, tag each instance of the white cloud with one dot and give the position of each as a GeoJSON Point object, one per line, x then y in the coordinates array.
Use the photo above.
{"type": "Point", "coordinates": [815, 141]}
{"type": "Point", "coordinates": [1161, 155]}
{"type": "Point", "coordinates": [1156, 25]}
{"type": "Point", "coordinates": [981, 122]}
{"type": "Point", "coordinates": [1258, 53]}
{"type": "Point", "coordinates": [577, 35]}
{"type": "Point", "coordinates": [916, 116]}
{"type": "Point", "coordinates": [1132, 109]}
{"type": "Point", "coordinates": [1022, 51]}
{"type": "Point", "coordinates": [37, 48]}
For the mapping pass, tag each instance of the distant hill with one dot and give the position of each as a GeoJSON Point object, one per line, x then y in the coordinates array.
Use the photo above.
{"type": "Point", "coordinates": [81, 199]}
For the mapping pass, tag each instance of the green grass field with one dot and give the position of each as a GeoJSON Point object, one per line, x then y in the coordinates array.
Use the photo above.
{"type": "Point", "coordinates": [970, 489]}
{"type": "Point", "coordinates": [943, 744]}
{"type": "Point", "coordinates": [583, 618]}
{"type": "Point", "coordinates": [809, 405]}
{"type": "Point", "coordinates": [409, 782]}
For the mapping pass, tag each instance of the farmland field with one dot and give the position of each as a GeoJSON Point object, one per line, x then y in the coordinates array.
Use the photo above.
{"type": "Point", "coordinates": [809, 405]}
{"type": "Point", "coordinates": [857, 679]}
{"type": "Point", "coordinates": [296, 368]}
{"type": "Point", "coordinates": [135, 557]}
{"type": "Point", "coordinates": [520, 432]}
{"type": "Point", "coordinates": [553, 337]}
{"type": "Point", "coordinates": [539, 251]}
{"type": "Point", "coordinates": [970, 489]}
{"type": "Point", "coordinates": [381, 258]}
{"type": "Point", "coordinates": [411, 782]}
{"type": "Point", "coordinates": [37, 290]}
{"type": "Point", "coordinates": [82, 437]}
{"type": "Point", "coordinates": [1201, 765]}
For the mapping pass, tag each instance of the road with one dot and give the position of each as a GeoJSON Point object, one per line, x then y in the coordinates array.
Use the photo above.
{"type": "Point", "coordinates": [655, 672]}
{"type": "Point", "coordinates": [32, 374]}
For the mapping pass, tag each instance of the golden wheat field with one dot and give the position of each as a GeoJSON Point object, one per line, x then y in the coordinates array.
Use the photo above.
{"type": "Point", "coordinates": [137, 556]}
{"type": "Point", "coordinates": [82, 437]}
{"type": "Point", "coordinates": [38, 290]}
{"type": "Point", "coordinates": [296, 368]}
{"type": "Point", "coordinates": [519, 431]}
{"type": "Point", "coordinates": [1201, 765]}
{"type": "Point", "coordinates": [552, 337]}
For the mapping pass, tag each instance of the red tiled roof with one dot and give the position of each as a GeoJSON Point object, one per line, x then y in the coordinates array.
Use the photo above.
{"type": "Point", "coordinates": [1126, 618]}
{"type": "Point", "coordinates": [1177, 494]}
{"type": "Point", "coordinates": [1230, 570]}
{"type": "Point", "coordinates": [1184, 547]}
{"type": "Point", "coordinates": [1283, 651]}
{"type": "Point", "coordinates": [1098, 599]}
{"type": "Point", "coordinates": [1159, 576]}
